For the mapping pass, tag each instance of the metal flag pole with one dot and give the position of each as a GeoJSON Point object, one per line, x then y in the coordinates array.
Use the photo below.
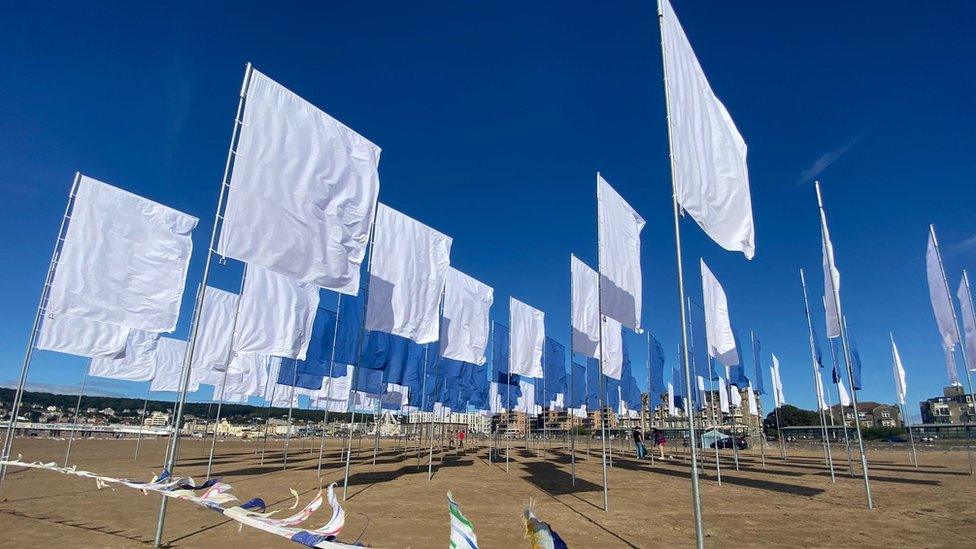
{"type": "Point", "coordinates": [325, 420]}
{"type": "Point", "coordinates": [962, 346]}
{"type": "Point", "coordinates": [142, 423]}
{"type": "Point", "coordinates": [779, 431]}
{"type": "Point", "coordinates": [847, 359]}
{"type": "Point", "coordinates": [291, 406]}
{"type": "Point", "coordinates": [74, 422]}
{"type": "Point", "coordinates": [8, 438]}
{"type": "Point", "coordinates": [603, 385]}
{"type": "Point", "coordinates": [695, 492]}
{"type": "Point", "coordinates": [572, 379]}
{"type": "Point", "coordinates": [198, 307]}
{"type": "Point", "coordinates": [267, 420]}
{"type": "Point", "coordinates": [430, 457]}
{"type": "Point", "coordinates": [359, 349]}
{"type": "Point", "coordinates": [491, 366]}
{"type": "Point", "coordinates": [423, 405]}
{"type": "Point", "coordinates": [903, 410]}
{"type": "Point", "coordinates": [840, 404]}
{"type": "Point", "coordinates": [712, 412]}
{"type": "Point", "coordinates": [379, 417]}
{"type": "Point", "coordinates": [508, 402]}
{"type": "Point", "coordinates": [762, 430]}
{"type": "Point", "coordinates": [817, 385]}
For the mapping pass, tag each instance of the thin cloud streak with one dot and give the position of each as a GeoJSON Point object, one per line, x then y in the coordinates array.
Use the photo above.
{"type": "Point", "coordinates": [825, 161]}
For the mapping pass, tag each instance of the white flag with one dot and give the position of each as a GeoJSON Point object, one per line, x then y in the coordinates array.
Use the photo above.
{"type": "Point", "coordinates": [901, 387]}
{"type": "Point", "coordinates": [718, 327]}
{"type": "Point", "coordinates": [467, 303]}
{"type": "Point", "coordinates": [619, 227]}
{"type": "Point", "coordinates": [303, 191]}
{"type": "Point", "coordinates": [831, 280]}
{"type": "Point", "coordinates": [672, 409]}
{"type": "Point", "coordinates": [136, 363]}
{"type": "Point", "coordinates": [494, 398]}
{"type": "Point", "coordinates": [939, 294]}
{"type": "Point", "coordinates": [276, 314]}
{"type": "Point", "coordinates": [528, 333]}
{"type": "Point", "coordinates": [753, 406]}
{"type": "Point", "coordinates": [408, 267]}
{"type": "Point", "coordinates": [612, 347]}
{"type": "Point", "coordinates": [845, 398]}
{"type": "Point", "coordinates": [723, 395]}
{"type": "Point", "coordinates": [81, 336]}
{"type": "Point", "coordinates": [778, 395]}
{"type": "Point", "coordinates": [968, 320]}
{"type": "Point", "coordinates": [170, 354]}
{"type": "Point", "coordinates": [821, 402]}
{"type": "Point", "coordinates": [950, 359]}
{"type": "Point", "coordinates": [735, 397]}
{"type": "Point", "coordinates": [585, 305]}
{"type": "Point", "coordinates": [709, 154]}
{"type": "Point", "coordinates": [247, 374]}
{"type": "Point", "coordinates": [337, 388]}
{"type": "Point", "coordinates": [124, 259]}
{"type": "Point", "coordinates": [212, 348]}
{"type": "Point", "coordinates": [271, 384]}
{"type": "Point", "coordinates": [526, 402]}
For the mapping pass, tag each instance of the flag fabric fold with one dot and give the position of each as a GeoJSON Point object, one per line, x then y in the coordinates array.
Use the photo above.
{"type": "Point", "coordinates": [79, 336]}
{"type": "Point", "coordinates": [216, 331]}
{"type": "Point", "coordinates": [619, 227]}
{"type": "Point", "coordinates": [708, 153]}
{"type": "Point", "coordinates": [136, 363]}
{"type": "Point", "coordinates": [303, 191]}
{"type": "Point", "coordinates": [467, 304]}
{"type": "Point", "coordinates": [170, 354]}
{"type": "Point", "coordinates": [718, 326]}
{"type": "Point", "coordinates": [527, 338]}
{"type": "Point", "coordinates": [276, 314]}
{"type": "Point", "coordinates": [145, 247]}
{"type": "Point", "coordinates": [408, 268]}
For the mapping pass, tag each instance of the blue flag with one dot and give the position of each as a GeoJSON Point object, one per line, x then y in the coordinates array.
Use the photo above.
{"type": "Point", "coordinates": [577, 391]}
{"type": "Point", "coordinates": [369, 381]}
{"type": "Point", "coordinates": [349, 332]}
{"type": "Point", "coordinates": [698, 341]}
{"type": "Point", "coordinates": [554, 369]}
{"type": "Point", "coordinates": [737, 373]}
{"type": "Point", "coordinates": [835, 372]}
{"type": "Point", "coordinates": [756, 352]}
{"type": "Point", "coordinates": [856, 366]}
{"type": "Point", "coordinates": [592, 384]}
{"type": "Point", "coordinates": [310, 372]}
{"type": "Point", "coordinates": [655, 357]}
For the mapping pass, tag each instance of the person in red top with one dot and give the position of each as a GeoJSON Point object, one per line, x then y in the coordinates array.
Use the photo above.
{"type": "Point", "coordinates": [460, 437]}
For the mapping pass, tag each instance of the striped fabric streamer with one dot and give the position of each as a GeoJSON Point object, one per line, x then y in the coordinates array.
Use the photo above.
{"type": "Point", "coordinates": [213, 494]}
{"type": "Point", "coordinates": [462, 531]}
{"type": "Point", "coordinates": [540, 534]}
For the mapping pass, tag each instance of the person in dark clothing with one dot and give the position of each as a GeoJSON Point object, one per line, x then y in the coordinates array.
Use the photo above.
{"type": "Point", "coordinates": [639, 443]}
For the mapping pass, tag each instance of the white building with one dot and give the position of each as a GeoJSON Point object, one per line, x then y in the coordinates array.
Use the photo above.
{"type": "Point", "coordinates": [157, 419]}
{"type": "Point", "coordinates": [473, 421]}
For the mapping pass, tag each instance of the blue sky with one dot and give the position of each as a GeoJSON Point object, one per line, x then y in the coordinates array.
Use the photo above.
{"type": "Point", "coordinates": [494, 117]}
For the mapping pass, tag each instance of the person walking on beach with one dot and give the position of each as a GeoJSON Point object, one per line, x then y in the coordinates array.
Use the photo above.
{"type": "Point", "coordinates": [460, 436]}
{"type": "Point", "coordinates": [639, 443]}
{"type": "Point", "coordinates": [659, 440]}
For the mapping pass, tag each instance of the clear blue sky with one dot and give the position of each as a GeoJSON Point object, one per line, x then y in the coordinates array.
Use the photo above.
{"type": "Point", "coordinates": [493, 118]}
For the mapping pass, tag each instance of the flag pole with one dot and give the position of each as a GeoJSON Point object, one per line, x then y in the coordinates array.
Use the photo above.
{"type": "Point", "coordinates": [325, 420]}
{"type": "Point", "coordinates": [847, 359]}
{"type": "Point", "coordinates": [291, 405]}
{"type": "Point", "coordinates": [491, 363]}
{"type": "Point", "coordinates": [8, 438]}
{"type": "Point", "coordinates": [508, 402]}
{"type": "Point", "coordinates": [695, 492]}
{"type": "Point", "coordinates": [762, 431]}
{"type": "Point", "coordinates": [572, 379]}
{"type": "Point", "coordinates": [840, 403]}
{"type": "Point", "coordinates": [74, 422]}
{"type": "Point", "coordinates": [142, 423]}
{"type": "Point", "coordinates": [904, 410]}
{"type": "Point", "coordinates": [962, 343]}
{"type": "Point", "coordinates": [713, 412]}
{"type": "Point", "coordinates": [267, 421]}
{"type": "Point", "coordinates": [603, 385]}
{"type": "Point", "coordinates": [817, 385]}
{"type": "Point", "coordinates": [379, 417]}
{"type": "Point", "coordinates": [423, 405]}
{"type": "Point", "coordinates": [782, 439]}
{"type": "Point", "coordinates": [174, 444]}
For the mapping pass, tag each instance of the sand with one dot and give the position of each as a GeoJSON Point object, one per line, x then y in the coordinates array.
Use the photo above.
{"type": "Point", "coordinates": [786, 504]}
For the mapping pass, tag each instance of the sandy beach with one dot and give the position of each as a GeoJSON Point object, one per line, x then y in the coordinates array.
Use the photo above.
{"type": "Point", "coordinates": [787, 503]}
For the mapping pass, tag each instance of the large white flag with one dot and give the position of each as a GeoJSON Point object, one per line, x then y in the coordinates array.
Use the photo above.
{"type": "Point", "coordinates": [585, 304]}
{"type": "Point", "coordinates": [723, 395]}
{"type": "Point", "coordinates": [170, 354]}
{"type": "Point", "coordinates": [968, 320]}
{"type": "Point", "coordinates": [718, 327]}
{"type": "Point", "coordinates": [939, 294]}
{"type": "Point", "coordinates": [276, 314]}
{"type": "Point", "coordinates": [831, 280]}
{"type": "Point", "coordinates": [901, 386]}
{"type": "Point", "coordinates": [136, 363]}
{"type": "Point", "coordinates": [845, 397]}
{"type": "Point", "coordinates": [526, 402]}
{"type": "Point", "coordinates": [753, 407]}
{"type": "Point", "coordinates": [528, 333]}
{"type": "Point", "coordinates": [619, 227]}
{"type": "Point", "coordinates": [212, 348]}
{"type": "Point", "coordinates": [672, 409]}
{"type": "Point", "coordinates": [303, 191]}
{"type": "Point", "coordinates": [821, 402]}
{"type": "Point", "coordinates": [778, 395]}
{"type": "Point", "coordinates": [612, 347]}
{"type": "Point", "coordinates": [123, 261]}
{"type": "Point", "coordinates": [408, 267]}
{"type": "Point", "coordinates": [467, 303]}
{"type": "Point", "coordinates": [708, 153]}
{"type": "Point", "coordinates": [81, 336]}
